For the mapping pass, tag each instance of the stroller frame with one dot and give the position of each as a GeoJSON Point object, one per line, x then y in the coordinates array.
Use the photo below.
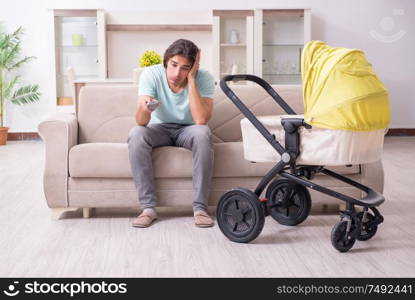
{"type": "Point", "coordinates": [353, 225]}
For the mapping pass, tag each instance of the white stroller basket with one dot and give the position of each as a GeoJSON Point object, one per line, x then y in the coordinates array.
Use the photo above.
{"type": "Point", "coordinates": [318, 146]}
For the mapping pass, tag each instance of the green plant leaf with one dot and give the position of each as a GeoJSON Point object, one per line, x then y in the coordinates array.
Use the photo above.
{"type": "Point", "coordinates": [19, 63]}
{"type": "Point", "coordinates": [26, 94]}
{"type": "Point", "coordinates": [10, 56]}
{"type": "Point", "coordinates": [8, 41]}
{"type": "Point", "coordinates": [9, 86]}
{"type": "Point", "coordinates": [9, 60]}
{"type": "Point", "coordinates": [4, 41]}
{"type": "Point", "coordinates": [19, 31]}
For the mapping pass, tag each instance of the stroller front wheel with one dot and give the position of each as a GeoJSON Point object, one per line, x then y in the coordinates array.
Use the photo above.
{"type": "Point", "coordinates": [289, 203]}
{"type": "Point", "coordinates": [240, 215]}
{"type": "Point", "coordinates": [369, 226]}
{"type": "Point", "coordinates": [341, 238]}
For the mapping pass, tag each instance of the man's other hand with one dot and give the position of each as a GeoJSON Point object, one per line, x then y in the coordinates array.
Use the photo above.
{"type": "Point", "coordinates": [193, 71]}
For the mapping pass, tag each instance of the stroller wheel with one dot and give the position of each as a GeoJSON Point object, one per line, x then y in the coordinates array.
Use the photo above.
{"type": "Point", "coordinates": [289, 203]}
{"type": "Point", "coordinates": [342, 240]}
{"type": "Point", "coordinates": [368, 227]}
{"type": "Point", "coordinates": [240, 215]}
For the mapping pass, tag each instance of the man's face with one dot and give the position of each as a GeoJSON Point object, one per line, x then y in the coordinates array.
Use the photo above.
{"type": "Point", "coordinates": [177, 69]}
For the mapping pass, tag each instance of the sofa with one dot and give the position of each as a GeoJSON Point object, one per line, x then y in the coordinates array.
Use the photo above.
{"type": "Point", "coordinates": [87, 165]}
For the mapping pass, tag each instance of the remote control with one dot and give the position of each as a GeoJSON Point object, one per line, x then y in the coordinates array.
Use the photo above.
{"type": "Point", "coordinates": [153, 104]}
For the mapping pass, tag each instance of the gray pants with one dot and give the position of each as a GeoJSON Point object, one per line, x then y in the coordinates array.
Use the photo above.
{"type": "Point", "coordinates": [197, 138]}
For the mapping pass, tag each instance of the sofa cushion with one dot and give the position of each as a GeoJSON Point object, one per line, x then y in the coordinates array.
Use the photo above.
{"type": "Point", "coordinates": [226, 117]}
{"type": "Point", "coordinates": [107, 113]}
{"type": "Point", "coordinates": [110, 160]}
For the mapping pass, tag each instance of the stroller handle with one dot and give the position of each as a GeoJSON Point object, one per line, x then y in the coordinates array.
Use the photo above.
{"type": "Point", "coordinates": [267, 87]}
{"type": "Point", "coordinates": [247, 113]}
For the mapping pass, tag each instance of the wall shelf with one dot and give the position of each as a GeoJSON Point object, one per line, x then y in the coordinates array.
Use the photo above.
{"type": "Point", "coordinates": [88, 59]}
{"type": "Point", "coordinates": [228, 26]}
{"type": "Point", "coordinates": [159, 27]}
{"type": "Point", "coordinates": [233, 45]}
{"type": "Point", "coordinates": [280, 36]}
{"type": "Point", "coordinates": [270, 43]}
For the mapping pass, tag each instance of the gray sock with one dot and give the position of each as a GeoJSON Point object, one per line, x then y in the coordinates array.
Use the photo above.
{"type": "Point", "coordinates": [150, 211]}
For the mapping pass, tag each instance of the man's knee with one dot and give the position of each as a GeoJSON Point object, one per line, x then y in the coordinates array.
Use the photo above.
{"type": "Point", "coordinates": [200, 131]}
{"type": "Point", "coordinates": [200, 134]}
{"type": "Point", "coordinates": [137, 135]}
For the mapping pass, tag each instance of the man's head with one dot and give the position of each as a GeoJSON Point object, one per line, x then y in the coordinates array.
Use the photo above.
{"type": "Point", "coordinates": [178, 60]}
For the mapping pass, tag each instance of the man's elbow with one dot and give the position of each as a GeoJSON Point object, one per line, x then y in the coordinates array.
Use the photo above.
{"type": "Point", "coordinates": [202, 120]}
{"type": "Point", "coordinates": [198, 122]}
{"type": "Point", "coordinates": [140, 121]}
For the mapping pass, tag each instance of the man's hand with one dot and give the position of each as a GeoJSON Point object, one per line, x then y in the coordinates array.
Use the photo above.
{"type": "Point", "coordinates": [201, 108]}
{"type": "Point", "coordinates": [193, 71]}
{"type": "Point", "coordinates": [152, 104]}
{"type": "Point", "coordinates": [143, 113]}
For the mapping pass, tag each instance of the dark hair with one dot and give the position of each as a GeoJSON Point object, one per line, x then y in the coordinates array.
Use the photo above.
{"type": "Point", "coordinates": [181, 47]}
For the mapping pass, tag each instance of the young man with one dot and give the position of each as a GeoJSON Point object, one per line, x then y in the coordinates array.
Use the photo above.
{"type": "Point", "coordinates": [179, 119]}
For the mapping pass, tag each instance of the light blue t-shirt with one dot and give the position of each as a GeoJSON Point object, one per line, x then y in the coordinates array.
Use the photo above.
{"type": "Point", "coordinates": [175, 107]}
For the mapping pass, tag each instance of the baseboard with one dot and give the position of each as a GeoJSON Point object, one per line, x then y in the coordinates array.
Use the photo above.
{"type": "Point", "coordinates": [20, 136]}
{"type": "Point", "coordinates": [401, 132]}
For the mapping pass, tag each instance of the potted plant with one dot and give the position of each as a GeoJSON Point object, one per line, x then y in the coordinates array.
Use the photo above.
{"type": "Point", "coordinates": [10, 61]}
{"type": "Point", "coordinates": [149, 58]}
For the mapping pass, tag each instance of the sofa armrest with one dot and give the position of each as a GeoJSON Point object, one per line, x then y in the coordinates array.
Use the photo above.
{"type": "Point", "coordinates": [60, 134]}
{"type": "Point", "coordinates": [373, 175]}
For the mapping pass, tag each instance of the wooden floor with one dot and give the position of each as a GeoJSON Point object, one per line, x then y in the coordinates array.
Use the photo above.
{"type": "Point", "coordinates": [32, 244]}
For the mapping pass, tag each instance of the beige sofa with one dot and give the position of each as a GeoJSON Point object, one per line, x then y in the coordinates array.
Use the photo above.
{"type": "Point", "coordinates": [87, 165]}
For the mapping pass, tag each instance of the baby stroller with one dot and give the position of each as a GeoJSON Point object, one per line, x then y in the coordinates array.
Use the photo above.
{"type": "Point", "coordinates": [346, 112]}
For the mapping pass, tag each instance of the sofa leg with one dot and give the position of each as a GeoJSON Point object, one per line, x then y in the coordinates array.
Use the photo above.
{"type": "Point", "coordinates": [87, 212]}
{"type": "Point", "coordinates": [57, 213]}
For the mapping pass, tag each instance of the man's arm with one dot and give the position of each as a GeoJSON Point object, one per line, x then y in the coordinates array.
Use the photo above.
{"type": "Point", "coordinates": [200, 107]}
{"type": "Point", "coordinates": [146, 92]}
{"type": "Point", "coordinates": [143, 113]}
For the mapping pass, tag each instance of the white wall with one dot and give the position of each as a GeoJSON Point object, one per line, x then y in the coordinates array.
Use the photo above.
{"type": "Point", "coordinates": [370, 25]}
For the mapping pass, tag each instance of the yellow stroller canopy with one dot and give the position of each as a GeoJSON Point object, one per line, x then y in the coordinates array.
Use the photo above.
{"type": "Point", "coordinates": [341, 90]}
